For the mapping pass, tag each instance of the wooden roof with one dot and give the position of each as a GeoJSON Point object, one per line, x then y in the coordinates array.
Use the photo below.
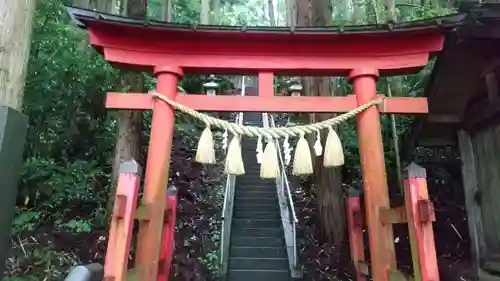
{"type": "Point", "coordinates": [457, 87]}
{"type": "Point", "coordinates": [393, 49]}
{"type": "Point", "coordinates": [83, 18]}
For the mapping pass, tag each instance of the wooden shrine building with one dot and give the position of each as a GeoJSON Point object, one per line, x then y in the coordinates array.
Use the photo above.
{"type": "Point", "coordinates": [464, 111]}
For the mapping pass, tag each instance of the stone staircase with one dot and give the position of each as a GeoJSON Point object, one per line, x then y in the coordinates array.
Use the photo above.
{"type": "Point", "coordinates": [258, 250]}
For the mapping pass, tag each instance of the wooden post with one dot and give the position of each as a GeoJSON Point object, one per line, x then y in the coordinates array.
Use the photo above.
{"type": "Point", "coordinates": [167, 247]}
{"type": "Point", "coordinates": [266, 84]}
{"type": "Point", "coordinates": [374, 177]}
{"type": "Point", "coordinates": [16, 20]}
{"type": "Point", "coordinates": [157, 168]}
{"type": "Point", "coordinates": [355, 227]}
{"type": "Point", "coordinates": [471, 189]}
{"type": "Point", "coordinates": [122, 222]}
{"type": "Point", "coordinates": [420, 215]}
{"type": "Point", "coordinates": [13, 129]}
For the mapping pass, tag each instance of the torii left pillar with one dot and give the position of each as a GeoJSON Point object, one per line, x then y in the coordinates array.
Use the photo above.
{"type": "Point", "coordinates": [157, 168]}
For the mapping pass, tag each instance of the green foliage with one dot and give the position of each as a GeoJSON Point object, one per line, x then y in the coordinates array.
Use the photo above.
{"type": "Point", "coordinates": [45, 262]}
{"type": "Point", "coordinates": [25, 221]}
{"type": "Point", "coordinates": [211, 261]}
{"type": "Point", "coordinates": [70, 142]}
{"type": "Point", "coordinates": [62, 98]}
{"type": "Point", "coordinates": [22, 278]}
{"type": "Point", "coordinates": [51, 190]}
{"type": "Point", "coordinates": [76, 226]}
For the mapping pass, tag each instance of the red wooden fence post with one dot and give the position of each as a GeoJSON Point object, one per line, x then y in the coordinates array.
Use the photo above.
{"type": "Point", "coordinates": [420, 214]}
{"type": "Point", "coordinates": [157, 168]}
{"type": "Point", "coordinates": [355, 226]}
{"type": "Point", "coordinates": [168, 239]}
{"type": "Point", "coordinates": [122, 222]}
{"type": "Point", "coordinates": [374, 177]}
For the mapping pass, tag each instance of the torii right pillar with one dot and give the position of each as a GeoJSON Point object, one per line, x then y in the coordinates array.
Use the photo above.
{"type": "Point", "coordinates": [417, 211]}
{"type": "Point", "coordinates": [376, 192]}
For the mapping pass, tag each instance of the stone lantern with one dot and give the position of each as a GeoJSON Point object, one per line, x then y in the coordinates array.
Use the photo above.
{"type": "Point", "coordinates": [295, 90]}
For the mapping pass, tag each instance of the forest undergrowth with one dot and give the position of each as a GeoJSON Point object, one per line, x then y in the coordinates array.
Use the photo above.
{"type": "Point", "coordinates": [319, 256]}
{"type": "Point", "coordinates": [45, 249]}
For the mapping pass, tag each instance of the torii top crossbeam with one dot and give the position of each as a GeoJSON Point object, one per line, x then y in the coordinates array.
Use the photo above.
{"type": "Point", "coordinates": [361, 52]}
{"type": "Point", "coordinates": [328, 51]}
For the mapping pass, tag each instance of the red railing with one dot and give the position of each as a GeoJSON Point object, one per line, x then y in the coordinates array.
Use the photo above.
{"type": "Point", "coordinates": [417, 212]}
{"type": "Point", "coordinates": [125, 211]}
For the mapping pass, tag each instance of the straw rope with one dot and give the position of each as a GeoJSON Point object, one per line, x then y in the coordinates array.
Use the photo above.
{"type": "Point", "coordinates": [275, 133]}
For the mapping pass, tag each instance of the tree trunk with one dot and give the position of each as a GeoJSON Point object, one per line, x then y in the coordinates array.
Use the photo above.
{"type": "Point", "coordinates": [137, 9]}
{"type": "Point", "coordinates": [390, 8]}
{"type": "Point", "coordinates": [128, 140]}
{"type": "Point", "coordinates": [15, 24]}
{"type": "Point", "coordinates": [124, 7]}
{"type": "Point", "coordinates": [270, 10]}
{"type": "Point", "coordinates": [167, 11]}
{"type": "Point", "coordinates": [328, 181]}
{"type": "Point", "coordinates": [115, 8]}
{"type": "Point", "coordinates": [205, 12]}
{"type": "Point", "coordinates": [346, 10]}
{"type": "Point", "coordinates": [291, 13]}
{"type": "Point", "coordinates": [359, 11]}
{"type": "Point", "coordinates": [80, 3]}
{"type": "Point", "coordinates": [106, 6]}
{"type": "Point", "coordinates": [394, 86]}
{"type": "Point", "coordinates": [216, 12]}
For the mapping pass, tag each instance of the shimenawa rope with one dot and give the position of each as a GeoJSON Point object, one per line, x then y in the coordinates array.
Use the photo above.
{"type": "Point", "coordinates": [333, 152]}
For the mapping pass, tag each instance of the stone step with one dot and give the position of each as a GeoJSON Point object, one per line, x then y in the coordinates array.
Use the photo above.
{"type": "Point", "coordinates": [256, 192]}
{"type": "Point", "coordinates": [257, 242]}
{"type": "Point", "coordinates": [258, 263]}
{"type": "Point", "coordinates": [276, 232]}
{"type": "Point", "coordinates": [256, 186]}
{"type": "Point", "coordinates": [256, 215]}
{"type": "Point", "coordinates": [260, 275]}
{"type": "Point", "coordinates": [253, 252]}
{"type": "Point", "coordinates": [255, 223]}
{"type": "Point", "coordinates": [255, 181]}
{"type": "Point", "coordinates": [253, 192]}
{"type": "Point", "coordinates": [265, 208]}
{"type": "Point", "coordinates": [251, 169]}
{"type": "Point", "coordinates": [256, 201]}
{"type": "Point", "coordinates": [258, 232]}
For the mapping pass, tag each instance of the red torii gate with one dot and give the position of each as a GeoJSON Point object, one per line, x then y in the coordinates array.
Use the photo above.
{"type": "Point", "coordinates": [170, 50]}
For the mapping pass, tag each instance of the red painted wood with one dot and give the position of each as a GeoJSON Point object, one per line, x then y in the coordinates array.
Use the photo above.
{"type": "Point", "coordinates": [284, 65]}
{"type": "Point", "coordinates": [267, 104]}
{"type": "Point", "coordinates": [167, 247]}
{"type": "Point", "coordinates": [266, 84]}
{"type": "Point", "coordinates": [121, 228]}
{"type": "Point", "coordinates": [375, 186]}
{"type": "Point", "coordinates": [157, 167]}
{"type": "Point", "coordinates": [287, 54]}
{"type": "Point", "coordinates": [355, 228]}
{"type": "Point", "coordinates": [421, 233]}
